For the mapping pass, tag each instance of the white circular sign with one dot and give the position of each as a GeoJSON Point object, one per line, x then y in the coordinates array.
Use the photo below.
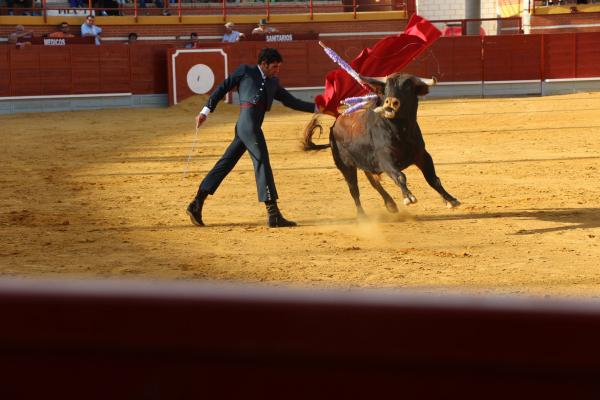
{"type": "Point", "coordinates": [200, 78]}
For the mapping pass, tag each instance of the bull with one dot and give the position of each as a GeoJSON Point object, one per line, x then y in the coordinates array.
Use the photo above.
{"type": "Point", "coordinates": [383, 138]}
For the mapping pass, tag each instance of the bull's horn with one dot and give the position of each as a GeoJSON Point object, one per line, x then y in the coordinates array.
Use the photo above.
{"type": "Point", "coordinates": [380, 79]}
{"type": "Point", "coordinates": [429, 82]}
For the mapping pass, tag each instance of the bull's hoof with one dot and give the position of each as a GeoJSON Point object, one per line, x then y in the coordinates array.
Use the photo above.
{"type": "Point", "coordinates": [391, 207]}
{"type": "Point", "coordinates": [452, 203]}
{"type": "Point", "coordinates": [360, 213]}
{"type": "Point", "coordinates": [410, 199]}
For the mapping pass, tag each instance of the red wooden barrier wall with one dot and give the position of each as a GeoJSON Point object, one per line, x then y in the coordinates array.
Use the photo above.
{"type": "Point", "coordinates": [82, 69]}
{"type": "Point", "coordinates": [305, 63]}
{"type": "Point", "coordinates": [450, 59]}
{"type": "Point", "coordinates": [141, 69]}
{"type": "Point", "coordinates": [560, 55]}
{"type": "Point", "coordinates": [164, 340]}
{"type": "Point", "coordinates": [4, 71]}
{"type": "Point", "coordinates": [509, 58]}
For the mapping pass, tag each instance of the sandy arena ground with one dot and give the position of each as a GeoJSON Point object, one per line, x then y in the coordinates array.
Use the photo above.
{"type": "Point", "coordinates": [101, 194]}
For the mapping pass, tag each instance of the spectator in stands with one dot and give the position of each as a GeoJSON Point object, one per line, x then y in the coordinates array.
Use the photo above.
{"type": "Point", "coordinates": [62, 32]}
{"type": "Point", "coordinates": [452, 29]}
{"type": "Point", "coordinates": [132, 38]}
{"type": "Point", "coordinates": [9, 5]}
{"type": "Point", "coordinates": [20, 37]}
{"type": "Point", "coordinates": [193, 41]}
{"type": "Point", "coordinates": [25, 5]}
{"type": "Point", "coordinates": [157, 3]}
{"type": "Point", "coordinates": [89, 28]}
{"type": "Point", "coordinates": [165, 7]}
{"type": "Point", "coordinates": [263, 28]}
{"type": "Point", "coordinates": [75, 4]}
{"type": "Point", "coordinates": [230, 35]}
{"type": "Point", "coordinates": [106, 7]}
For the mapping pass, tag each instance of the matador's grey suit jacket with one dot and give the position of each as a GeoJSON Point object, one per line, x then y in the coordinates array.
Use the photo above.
{"type": "Point", "coordinates": [248, 79]}
{"type": "Point", "coordinates": [256, 96]}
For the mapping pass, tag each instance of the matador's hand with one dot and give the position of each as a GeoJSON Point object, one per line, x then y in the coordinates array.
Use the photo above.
{"type": "Point", "coordinates": [200, 118]}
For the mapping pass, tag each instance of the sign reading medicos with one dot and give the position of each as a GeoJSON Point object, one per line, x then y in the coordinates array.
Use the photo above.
{"type": "Point", "coordinates": [195, 71]}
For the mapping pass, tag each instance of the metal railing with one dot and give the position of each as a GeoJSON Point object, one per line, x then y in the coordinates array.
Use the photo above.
{"type": "Point", "coordinates": [572, 3]}
{"type": "Point", "coordinates": [479, 26]}
{"type": "Point", "coordinates": [224, 8]}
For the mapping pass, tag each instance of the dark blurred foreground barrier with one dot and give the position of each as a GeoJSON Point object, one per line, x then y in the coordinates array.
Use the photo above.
{"type": "Point", "coordinates": [118, 340]}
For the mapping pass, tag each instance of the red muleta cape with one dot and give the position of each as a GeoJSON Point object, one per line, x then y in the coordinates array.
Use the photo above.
{"type": "Point", "coordinates": [387, 56]}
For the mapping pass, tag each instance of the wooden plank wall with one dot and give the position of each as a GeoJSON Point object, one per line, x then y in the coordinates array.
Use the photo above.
{"type": "Point", "coordinates": [4, 71]}
{"type": "Point", "coordinates": [82, 69]}
{"type": "Point", "coordinates": [304, 62]}
{"type": "Point", "coordinates": [511, 57]}
{"type": "Point", "coordinates": [142, 69]}
{"type": "Point", "coordinates": [167, 340]}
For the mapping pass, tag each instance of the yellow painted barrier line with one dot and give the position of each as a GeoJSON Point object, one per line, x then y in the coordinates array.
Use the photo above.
{"type": "Point", "coordinates": [207, 19]}
{"type": "Point", "coordinates": [566, 9]}
{"type": "Point", "coordinates": [510, 10]}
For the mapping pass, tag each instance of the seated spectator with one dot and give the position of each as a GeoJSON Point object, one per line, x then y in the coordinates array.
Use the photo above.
{"type": "Point", "coordinates": [25, 5]}
{"type": "Point", "coordinates": [452, 29]}
{"type": "Point", "coordinates": [62, 32]}
{"type": "Point", "coordinates": [20, 37]}
{"type": "Point", "coordinates": [89, 28]}
{"type": "Point", "coordinates": [76, 4]}
{"type": "Point", "coordinates": [9, 5]}
{"type": "Point", "coordinates": [192, 44]}
{"type": "Point", "coordinates": [262, 28]}
{"type": "Point", "coordinates": [230, 35]}
{"type": "Point", "coordinates": [106, 7]}
{"type": "Point", "coordinates": [132, 38]}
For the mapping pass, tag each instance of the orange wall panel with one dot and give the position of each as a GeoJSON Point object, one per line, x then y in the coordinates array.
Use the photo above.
{"type": "Point", "coordinates": [142, 68]}
{"type": "Point", "coordinates": [559, 55]}
{"type": "Point", "coordinates": [25, 72]}
{"type": "Point", "coordinates": [588, 55]}
{"type": "Point", "coordinates": [512, 57]}
{"type": "Point", "coordinates": [4, 71]}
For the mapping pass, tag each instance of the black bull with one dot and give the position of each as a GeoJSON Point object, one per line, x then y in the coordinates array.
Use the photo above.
{"type": "Point", "coordinates": [382, 139]}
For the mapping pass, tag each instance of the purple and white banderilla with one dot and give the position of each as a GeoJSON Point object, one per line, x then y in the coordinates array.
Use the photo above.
{"type": "Point", "coordinates": [343, 64]}
{"type": "Point", "coordinates": [356, 103]}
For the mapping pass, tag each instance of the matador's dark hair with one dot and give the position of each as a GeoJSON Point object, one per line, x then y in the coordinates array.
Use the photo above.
{"type": "Point", "coordinates": [269, 55]}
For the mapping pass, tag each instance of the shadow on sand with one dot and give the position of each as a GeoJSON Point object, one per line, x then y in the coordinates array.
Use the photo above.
{"type": "Point", "coordinates": [577, 218]}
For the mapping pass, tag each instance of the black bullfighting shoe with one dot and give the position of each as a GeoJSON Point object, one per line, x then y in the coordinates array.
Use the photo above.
{"type": "Point", "coordinates": [194, 210]}
{"type": "Point", "coordinates": [277, 221]}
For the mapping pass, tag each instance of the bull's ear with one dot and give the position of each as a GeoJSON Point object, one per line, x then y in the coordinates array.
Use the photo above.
{"type": "Point", "coordinates": [377, 83]}
{"type": "Point", "coordinates": [422, 85]}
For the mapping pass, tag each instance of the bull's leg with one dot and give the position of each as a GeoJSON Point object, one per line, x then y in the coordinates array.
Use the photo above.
{"type": "Point", "coordinates": [352, 181]}
{"type": "Point", "coordinates": [425, 164]}
{"type": "Point", "coordinates": [351, 177]}
{"type": "Point", "coordinates": [400, 179]}
{"type": "Point", "coordinates": [390, 204]}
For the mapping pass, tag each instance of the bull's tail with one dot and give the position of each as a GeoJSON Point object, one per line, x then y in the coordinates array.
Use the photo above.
{"type": "Point", "coordinates": [309, 131]}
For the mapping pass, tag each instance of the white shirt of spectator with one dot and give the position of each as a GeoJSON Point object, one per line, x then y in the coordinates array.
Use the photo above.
{"type": "Point", "coordinates": [231, 37]}
{"type": "Point", "coordinates": [93, 30]}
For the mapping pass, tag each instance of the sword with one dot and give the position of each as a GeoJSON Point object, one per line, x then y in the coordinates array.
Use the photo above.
{"type": "Point", "coordinates": [189, 159]}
